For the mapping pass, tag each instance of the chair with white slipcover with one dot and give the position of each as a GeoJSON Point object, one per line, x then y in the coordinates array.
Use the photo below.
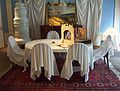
{"type": "Point", "coordinates": [53, 35]}
{"type": "Point", "coordinates": [106, 49]}
{"type": "Point", "coordinates": [78, 52]}
{"type": "Point", "coordinates": [15, 53]}
{"type": "Point", "coordinates": [42, 56]}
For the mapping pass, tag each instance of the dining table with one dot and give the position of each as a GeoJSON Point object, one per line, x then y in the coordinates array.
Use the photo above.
{"type": "Point", "coordinates": [57, 46]}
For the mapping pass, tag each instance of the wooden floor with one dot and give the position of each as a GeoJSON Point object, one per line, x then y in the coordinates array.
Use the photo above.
{"type": "Point", "coordinates": [5, 64]}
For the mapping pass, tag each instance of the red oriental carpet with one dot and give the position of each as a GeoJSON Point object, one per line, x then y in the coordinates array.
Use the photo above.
{"type": "Point", "coordinates": [100, 79]}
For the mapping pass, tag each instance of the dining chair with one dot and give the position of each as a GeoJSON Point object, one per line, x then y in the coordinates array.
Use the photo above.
{"type": "Point", "coordinates": [15, 53]}
{"type": "Point", "coordinates": [78, 52]}
{"type": "Point", "coordinates": [53, 35]}
{"type": "Point", "coordinates": [106, 50]}
{"type": "Point", "coordinates": [42, 56]}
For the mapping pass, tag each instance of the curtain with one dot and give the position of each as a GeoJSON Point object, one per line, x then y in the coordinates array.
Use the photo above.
{"type": "Point", "coordinates": [36, 15]}
{"type": "Point", "coordinates": [116, 28]}
{"type": "Point", "coordinates": [89, 15]}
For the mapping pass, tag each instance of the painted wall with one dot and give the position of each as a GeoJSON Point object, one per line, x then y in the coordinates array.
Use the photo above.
{"type": "Point", "coordinates": [4, 15]}
{"type": "Point", "coordinates": [107, 19]}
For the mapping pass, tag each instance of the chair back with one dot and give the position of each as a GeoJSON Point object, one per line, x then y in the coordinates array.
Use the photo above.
{"type": "Point", "coordinates": [53, 35]}
{"type": "Point", "coordinates": [106, 47]}
{"type": "Point", "coordinates": [42, 56]}
{"type": "Point", "coordinates": [12, 43]}
{"type": "Point", "coordinates": [14, 52]}
{"type": "Point", "coordinates": [79, 52]}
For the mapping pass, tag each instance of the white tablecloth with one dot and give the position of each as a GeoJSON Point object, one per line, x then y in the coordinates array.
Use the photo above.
{"type": "Point", "coordinates": [55, 45]}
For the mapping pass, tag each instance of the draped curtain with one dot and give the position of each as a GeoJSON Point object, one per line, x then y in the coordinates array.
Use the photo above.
{"type": "Point", "coordinates": [36, 15]}
{"type": "Point", "coordinates": [89, 15]}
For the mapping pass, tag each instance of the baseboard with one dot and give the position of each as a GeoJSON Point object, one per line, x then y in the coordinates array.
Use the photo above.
{"type": "Point", "coordinates": [2, 73]}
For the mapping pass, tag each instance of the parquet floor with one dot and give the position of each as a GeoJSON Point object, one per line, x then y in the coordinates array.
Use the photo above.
{"type": "Point", "coordinates": [5, 64]}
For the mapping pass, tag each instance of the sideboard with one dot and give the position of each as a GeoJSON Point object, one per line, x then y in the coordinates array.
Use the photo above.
{"type": "Point", "coordinates": [82, 32]}
{"type": "Point", "coordinates": [45, 29]}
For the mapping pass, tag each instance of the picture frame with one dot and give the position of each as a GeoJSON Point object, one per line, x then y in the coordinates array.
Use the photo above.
{"type": "Point", "coordinates": [60, 13]}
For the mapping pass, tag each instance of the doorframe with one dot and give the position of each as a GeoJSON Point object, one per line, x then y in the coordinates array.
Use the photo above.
{"type": "Point", "coordinates": [1, 26]}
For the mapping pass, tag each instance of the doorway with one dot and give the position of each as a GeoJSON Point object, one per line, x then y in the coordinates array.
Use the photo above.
{"type": "Point", "coordinates": [1, 31]}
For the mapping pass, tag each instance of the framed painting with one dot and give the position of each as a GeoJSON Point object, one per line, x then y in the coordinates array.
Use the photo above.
{"type": "Point", "coordinates": [60, 13]}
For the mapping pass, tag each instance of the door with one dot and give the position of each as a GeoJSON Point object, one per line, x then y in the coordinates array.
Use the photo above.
{"type": "Point", "coordinates": [1, 31]}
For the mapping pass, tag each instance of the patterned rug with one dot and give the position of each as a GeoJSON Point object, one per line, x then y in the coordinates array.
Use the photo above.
{"type": "Point", "coordinates": [100, 79]}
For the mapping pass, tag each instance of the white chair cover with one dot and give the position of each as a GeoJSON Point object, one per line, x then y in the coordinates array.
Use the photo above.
{"type": "Point", "coordinates": [79, 52]}
{"type": "Point", "coordinates": [53, 35]}
{"type": "Point", "coordinates": [14, 52]}
{"type": "Point", "coordinates": [106, 46]}
{"type": "Point", "coordinates": [42, 56]}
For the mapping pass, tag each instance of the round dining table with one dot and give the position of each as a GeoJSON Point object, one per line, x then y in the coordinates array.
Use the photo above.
{"type": "Point", "coordinates": [57, 46]}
